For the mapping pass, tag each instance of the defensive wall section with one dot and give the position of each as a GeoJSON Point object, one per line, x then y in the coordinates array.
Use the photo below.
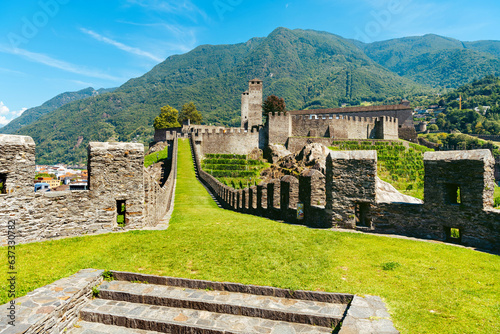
{"type": "Point", "coordinates": [458, 203]}
{"type": "Point", "coordinates": [459, 187]}
{"type": "Point", "coordinates": [403, 112]}
{"type": "Point", "coordinates": [159, 198]}
{"type": "Point", "coordinates": [348, 127]}
{"type": "Point", "coordinates": [488, 137]}
{"type": "Point", "coordinates": [282, 127]}
{"type": "Point", "coordinates": [117, 181]}
{"type": "Point", "coordinates": [165, 135]}
{"type": "Point", "coordinates": [228, 141]}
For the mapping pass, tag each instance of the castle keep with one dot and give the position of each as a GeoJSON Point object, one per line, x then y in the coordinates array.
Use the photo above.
{"type": "Point", "coordinates": [251, 105]}
{"type": "Point", "coordinates": [294, 128]}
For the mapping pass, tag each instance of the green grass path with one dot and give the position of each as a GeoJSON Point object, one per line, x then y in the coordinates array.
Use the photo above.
{"type": "Point", "coordinates": [435, 289]}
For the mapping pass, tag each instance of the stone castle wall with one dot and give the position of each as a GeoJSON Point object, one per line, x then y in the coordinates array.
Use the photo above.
{"type": "Point", "coordinates": [116, 173]}
{"type": "Point", "coordinates": [488, 137]}
{"type": "Point", "coordinates": [351, 199]}
{"type": "Point", "coordinates": [255, 98]}
{"type": "Point", "coordinates": [163, 135]}
{"type": "Point", "coordinates": [378, 122]}
{"type": "Point", "coordinates": [228, 141]}
{"type": "Point", "coordinates": [350, 181]}
{"type": "Point", "coordinates": [159, 199]}
{"type": "Point", "coordinates": [284, 128]}
{"type": "Point", "coordinates": [341, 126]}
{"type": "Point", "coordinates": [279, 128]}
{"type": "Point", "coordinates": [17, 161]}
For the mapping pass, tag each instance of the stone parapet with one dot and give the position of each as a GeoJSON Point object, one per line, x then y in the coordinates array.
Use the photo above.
{"type": "Point", "coordinates": [117, 177]}
{"type": "Point", "coordinates": [351, 194]}
{"type": "Point", "coordinates": [54, 308]}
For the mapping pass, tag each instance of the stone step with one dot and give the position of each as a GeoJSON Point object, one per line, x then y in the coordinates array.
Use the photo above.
{"type": "Point", "coordinates": [266, 307]}
{"type": "Point", "coordinates": [173, 320]}
{"type": "Point", "coordinates": [84, 327]}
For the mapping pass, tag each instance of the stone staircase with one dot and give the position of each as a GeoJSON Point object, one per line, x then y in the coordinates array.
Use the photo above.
{"type": "Point", "coordinates": [146, 304]}
{"type": "Point", "coordinates": [135, 303]}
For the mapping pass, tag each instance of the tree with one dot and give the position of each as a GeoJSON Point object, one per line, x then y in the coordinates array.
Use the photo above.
{"type": "Point", "coordinates": [190, 112]}
{"type": "Point", "coordinates": [273, 104]}
{"type": "Point", "coordinates": [167, 118]}
{"type": "Point", "coordinates": [433, 127]}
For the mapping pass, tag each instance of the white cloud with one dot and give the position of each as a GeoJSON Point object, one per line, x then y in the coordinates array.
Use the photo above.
{"type": "Point", "coordinates": [7, 70]}
{"type": "Point", "coordinates": [6, 115]}
{"type": "Point", "coordinates": [3, 109]}
{"type": "Point", "coordinates": [185, 8]}
{"type": "Point", "coordinates": [182, 38]}
{"type": "Point", "coordinates": [59, 64]}
{"type": "Point", "coordinates": [121, 46]}
{"type": "Point", "coordinates": [83, 83]}
{"type": "Point", "coordinates": [20, 112]}
{"type": "Point", "coordinates": [3, 121]}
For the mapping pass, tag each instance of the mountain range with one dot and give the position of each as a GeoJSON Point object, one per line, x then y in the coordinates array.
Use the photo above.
{"type": "Point", "coordinates": [33, 114]}
{"type": "Point", "coordinates": [309, 69]}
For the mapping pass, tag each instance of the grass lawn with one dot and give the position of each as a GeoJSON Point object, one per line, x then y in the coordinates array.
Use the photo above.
{"type": "Point", "coordinates": [154, 158]}
{"type": "Point", "coordinates": [433, 288]}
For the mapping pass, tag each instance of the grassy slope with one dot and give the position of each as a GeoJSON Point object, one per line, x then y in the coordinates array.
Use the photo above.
{"type": "Point", "coordinates": [155, 157]}
{"type": "Point", "coordinates": [403, 168]}
{"type": "Point", "coordinates": [437, 289]}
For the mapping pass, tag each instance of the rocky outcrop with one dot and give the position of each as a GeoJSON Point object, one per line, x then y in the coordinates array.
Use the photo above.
{"type": "Point", "coordinates": [277, 152]}
{"type": "Point", "coordinates": [314, 156]}
{"type": "Point", "coordinates": [386, 193]}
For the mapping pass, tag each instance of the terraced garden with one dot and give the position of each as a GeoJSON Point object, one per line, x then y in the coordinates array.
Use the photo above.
{"type": "Point", "coordinates": [400, 166]}
{"type": "Point", "coordinates": [234, 170]}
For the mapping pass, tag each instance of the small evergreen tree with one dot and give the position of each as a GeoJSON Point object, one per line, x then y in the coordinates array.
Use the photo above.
{"type": "Point", "coordinates": [190, 112]}
{"type": "Point", "coordinates": [167, 118]}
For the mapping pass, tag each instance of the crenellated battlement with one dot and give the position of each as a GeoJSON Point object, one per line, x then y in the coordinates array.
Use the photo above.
{"type": "Point", "coordinates": [118, 183]}
{"type": "Point", "coordinates": [223, 132]}
{"type": "Point", "coordinates": [340, 118]}
{"type": "Point", "coordinates": [458, 196]}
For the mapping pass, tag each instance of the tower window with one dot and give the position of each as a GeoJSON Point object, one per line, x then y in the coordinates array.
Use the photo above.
{"type": "Point", "coordinates": [453, 234]}
{"type": "Point", "coordinates": [361, 213]}
{"type": "Point", "coordinates": [121, 210]}
{"type": "Point", "coordinates": [3, 181]}
{"type": "Point", "coordinates": [453, 194]}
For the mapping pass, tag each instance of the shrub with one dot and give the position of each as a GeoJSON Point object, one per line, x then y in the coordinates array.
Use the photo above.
{"type": "Point", "coordinates": [108, 275]}
{"type": "Point", "coordinates": [95, 292]}
{"type": "Point", "coordinates": [390, 266]}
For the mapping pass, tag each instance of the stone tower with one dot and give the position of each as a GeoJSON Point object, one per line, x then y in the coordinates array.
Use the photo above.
{"type": "Point", "coordinates": [251, 105]}
{"type": "Point", "coordinates": [244, 109]}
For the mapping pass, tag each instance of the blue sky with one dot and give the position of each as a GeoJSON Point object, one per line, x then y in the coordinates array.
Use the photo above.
{"type": "Point", "coordinates": [48, 47]}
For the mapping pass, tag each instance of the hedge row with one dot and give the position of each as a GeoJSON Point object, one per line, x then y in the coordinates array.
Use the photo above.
{"type": "Point", "coordinates": [226, 156]}
{"type": "Point", "coordinates": [225, 161]}
{"type": "Point", "coordinates": [236, 174]}
{"type": "Point", "coordinates": [224, 167]}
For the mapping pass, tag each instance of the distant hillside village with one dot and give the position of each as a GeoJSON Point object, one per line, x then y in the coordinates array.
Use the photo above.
{"type": "Point", "coordinates": [60, 178]}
